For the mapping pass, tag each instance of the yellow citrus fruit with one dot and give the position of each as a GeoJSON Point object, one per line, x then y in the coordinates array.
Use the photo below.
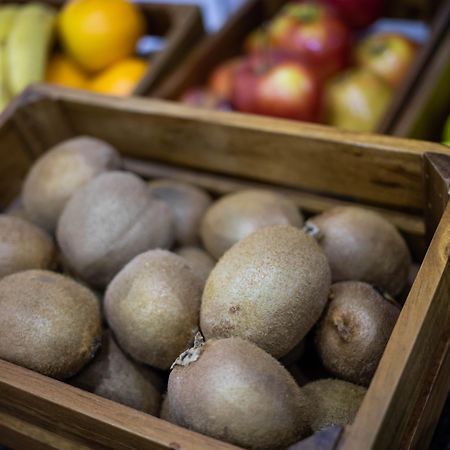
{"type": "Point", "coordinates": [63, 71]}
{"type": "Point", "coordinates": [98, 33]}
{"type": "Point", "coordinates": [121, 78]}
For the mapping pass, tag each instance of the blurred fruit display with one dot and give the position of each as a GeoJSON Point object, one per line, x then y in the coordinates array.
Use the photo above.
{"type": "Point", "coordinates": [322, 61]}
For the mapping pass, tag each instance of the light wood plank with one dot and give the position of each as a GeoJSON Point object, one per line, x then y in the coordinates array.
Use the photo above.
{"type": "Point", "coordinates": [411, 356]}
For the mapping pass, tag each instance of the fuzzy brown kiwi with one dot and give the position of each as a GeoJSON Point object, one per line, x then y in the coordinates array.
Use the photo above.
{"type": "Point", "coordinates": [165, 413]}
{"type": "Point", "coordinates": [332, 402]}
{"type": "Point", "coordinates": [108, 222]}
{"type": "Point", "coordinates": [152, 306]}
{"type": "Point", "coordinates": [48, 322]}
{"type": "Point", "coordinates": [24, 246]}
{"type": "Point", "coordinates": [188, 204]}
{"type": "Point", "coordinates": [111, 374]}
{"type": "Point", "coordinates": [201, 263]}
{"type": "Point", "coordinates": [354, 330]}
{"type": "Point", "coordinates": [236, 215]}
{"type": "Point", "coordinates": [234, 391]}
{"type": "Point", "coordinates": [361, 245]}
{"type": "Point", "coordinates": [270, 288]}
{"type": "Point", "coordinates": [62, 170]}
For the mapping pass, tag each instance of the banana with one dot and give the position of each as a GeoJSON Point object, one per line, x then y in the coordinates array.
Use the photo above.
{"type": "Point", "coordinates": [7, 15]}
{"type": "Point", "coordinates": [5, 96]}
{"type": "Point", "coordinates": [28, 45]}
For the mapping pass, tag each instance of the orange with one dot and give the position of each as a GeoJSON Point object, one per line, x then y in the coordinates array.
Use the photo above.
{"type": "Point", "coordinates": [64, 71]}
{"type": "Point", "coordinates": [121, 78]}
{"type": "Point", "coordinates": [98, 33]}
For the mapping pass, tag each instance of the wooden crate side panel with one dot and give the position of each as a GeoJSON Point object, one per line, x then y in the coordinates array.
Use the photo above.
{"type": "Point", "coordinates": [84, 418]}
{"type": "Point", "coordinates": [183, 27]}
{"type": "Point", "coordinates": [409, 361]}
{"type": "Point", "coordinates": [296, 155]}
{"type": "Point", "coordinates": [437, 185]}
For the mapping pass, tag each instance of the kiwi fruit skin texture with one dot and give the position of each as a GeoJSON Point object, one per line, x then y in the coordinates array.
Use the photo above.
{"type": "Point", "coordinates": [24, 246]}
{"type": "Point", "coordinates": [362, 245]}
{"type": "Point", "coordinates": [111, 374]}
{"type": "Point", "coordinates": [49, 323]}
{"type": "Point", "coordinates": [270, 288]}
{"type": "Point", "coordinates": [200, 261]}
{"type": "Point", "coordinates": [108, 222]}
{"type": "Point", "coordinates": [237, 215]}
{"type": "Point", "coordinates": [188, 204]}
{"type": "Point", "coordinates": [60, 172]}
{"type": "Point", "coordinates": [238, 393]}
{"type": "Point", "coordinates": [332, 402]}
{"type": "Point", "coordinates": [354, 330]}
{"type": "Point", "coordinates": [165, 413]}
{"type": "Point", "coordinates": [152, 306]}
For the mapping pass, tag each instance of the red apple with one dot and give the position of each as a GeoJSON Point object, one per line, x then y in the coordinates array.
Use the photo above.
{"type": "Point", "coordinates": [311, 31]}
{"type": "Point", "coordinates": [356, 100]}
{"type": "Point", "coordinates": [389, 55]}
{"type": "Point", "coordinates": [220, 80]}
{"type": "Point", "coordinates": [203, 98]}
{"type": "Point", "coordinates": [357, 13]}
{"type": "Point", "coordinates": [280, 88]}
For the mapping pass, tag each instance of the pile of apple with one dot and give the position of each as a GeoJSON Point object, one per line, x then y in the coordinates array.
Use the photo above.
{"type": "Point", "coordinates": [310, 63]}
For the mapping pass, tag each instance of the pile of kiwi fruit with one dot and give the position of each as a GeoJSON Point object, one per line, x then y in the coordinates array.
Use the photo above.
{"type": "Point", "coordinates": [230, 316]}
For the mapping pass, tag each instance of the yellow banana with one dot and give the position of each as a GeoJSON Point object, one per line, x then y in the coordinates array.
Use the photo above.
{"type": "Point", "coordinates": [5, 97]}
{"type": "Point", "coordinates": [28, 45]}
{"type": "Point", "coordinates": [7, 16]}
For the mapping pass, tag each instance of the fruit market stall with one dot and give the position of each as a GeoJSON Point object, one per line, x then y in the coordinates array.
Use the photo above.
{"type": "Point", "coordinates": [359, 184]}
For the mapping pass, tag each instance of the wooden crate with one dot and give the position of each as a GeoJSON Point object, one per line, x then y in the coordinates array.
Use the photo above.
{"type": "Point", "coordinates": [228, 42]}
{"type": "Point", "coordinates": [182, 27]}
{"type": "Point", "coordinates": [319, 167]}
{"type": "Point", "coordinates": [428, 105]}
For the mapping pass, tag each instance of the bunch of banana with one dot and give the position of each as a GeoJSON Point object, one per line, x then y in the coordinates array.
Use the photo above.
{"type": "Point", "coordinates": [26, 33]}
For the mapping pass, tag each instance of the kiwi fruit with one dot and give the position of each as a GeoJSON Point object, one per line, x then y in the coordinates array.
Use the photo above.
{"type": "Point", "coordinates": [201, 263]}
{"type": "Point", "coordinates": [165, 413]}
{"type": "Point", "coordinates": [48, 323]}
{"type": "Point", "coordinates": [56, 175]}
{"type": "Point", "coordinates": [232, 390]}
{"type": "Point", "coordinates": [235, 216]}
{"type": "Point", "coordinates": [270, 288]}
{"type": "Point", "coordinates": [363, 246]}
{"type": "Point", "coordinates": [23, 246]}
{"type": "Point", "coordinates": [108, 222]}
{"type": "Point", "coordinates": [188, 204]}
{"type": "Point", "coordinates": [111, 374]}
{"type": "Point", "coordinates": [152, 306]}
{"type": "Point", "coordinates": [354, 330]}
{"type": "Point", "coordinates": [332, 402]}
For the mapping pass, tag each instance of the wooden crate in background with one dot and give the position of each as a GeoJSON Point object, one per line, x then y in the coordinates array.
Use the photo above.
{"type": "Point", "coordinates": [182, 27]}
{"type": "Point", "coordinates": [228, 42]}
{"type": "Point", "coordinates": [319, 167]}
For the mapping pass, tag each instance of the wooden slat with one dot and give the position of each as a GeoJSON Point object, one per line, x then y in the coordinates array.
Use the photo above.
{"type": "Point", "coordinates": [361, 167]}
{"type": "Point", "coordinates": [24, 436]}
{"type": "Point", "coordinates": [83, 417]}
{"type": "Point", "coordinates": [409, 361]}
{"type": "Point", "coordinates": [437, 185]}
{"type": "Point", "coordinates": [183, 31]}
